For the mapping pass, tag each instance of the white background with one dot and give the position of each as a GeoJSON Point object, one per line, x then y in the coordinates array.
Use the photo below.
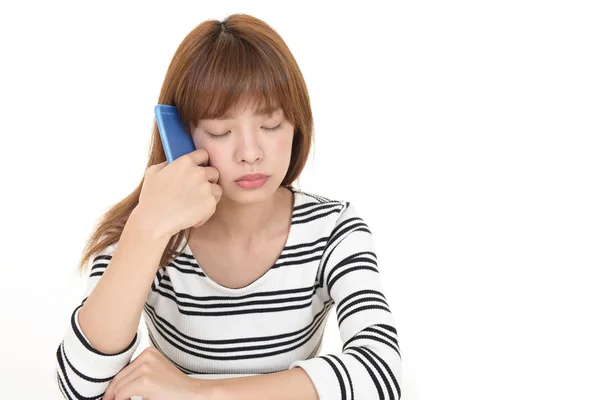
{"type": "Point", "coordinates": [466, 132]}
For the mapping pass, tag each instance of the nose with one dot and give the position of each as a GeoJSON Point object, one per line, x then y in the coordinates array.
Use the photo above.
{"type": "Point", "coordinates": [249, 149]}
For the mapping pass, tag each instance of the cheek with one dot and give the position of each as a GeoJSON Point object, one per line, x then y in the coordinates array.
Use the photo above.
{"type": "Point", "coordinates": [215, 155]}
{"type": "Point", "coordinates": [283, 144]}
{"type": "Point", "coordinates": [197, 142]}
{"type": "Point", "coordinates": [213, 151]}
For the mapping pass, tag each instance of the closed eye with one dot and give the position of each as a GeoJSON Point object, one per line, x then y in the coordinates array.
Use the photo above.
{"type": "Point", "coordinates": [216, 136]}
{"type": "Point", "coordinates": [272, 129]}
{"type": "Point", "coordinates": [219, 135]}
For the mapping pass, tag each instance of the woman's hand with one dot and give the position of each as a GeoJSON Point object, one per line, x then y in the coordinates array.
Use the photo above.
{"type": "Point", "coordinates": [179, 195]}
{"type": "Point", "coordinates": [152, 377]}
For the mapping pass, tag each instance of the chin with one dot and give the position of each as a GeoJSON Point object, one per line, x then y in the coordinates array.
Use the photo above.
{"type": "Point", "coordinates": [250, 196]}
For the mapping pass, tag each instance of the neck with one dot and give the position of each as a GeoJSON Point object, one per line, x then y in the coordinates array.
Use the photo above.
{"type": "Point", "coordinates": [247, 223]}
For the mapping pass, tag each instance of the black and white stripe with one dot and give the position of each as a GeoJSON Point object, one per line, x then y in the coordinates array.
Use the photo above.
{"type": "Point", "coordinates": [186, 264]}
{"type": "Point", "coordinates": [364, 260]}
{"type": "Point", "coordinates": [254, 303]}
{"type": "Point", "coordinates": [301, 254]}
{"type": "Point", "coordinates": [234, 349]}
{"type": "Point", "coordinates": [342, 374]}
{"type": "Point", "coordinates": [310, 212]}
{"type": "Point", "coordinates": [99, 265]}
{"type": "Point", "coordinates": [379, 371]}
{"type": "Point", "coordinates": [155, 344]}
{"type": "Point", "coordinates": [339, 233]}
{"type": "Point", "coordinates": [382, 333]}
{"type": "Point", "coordinates": [64, 376]}
{"type": "Point", "coordinates": [362, 300]}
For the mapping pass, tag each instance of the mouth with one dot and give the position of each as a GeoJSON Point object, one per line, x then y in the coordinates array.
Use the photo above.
{"type": "Point", "coordinates": [252, 181]}
{"type": "Point", "coordinates": [251, 177]}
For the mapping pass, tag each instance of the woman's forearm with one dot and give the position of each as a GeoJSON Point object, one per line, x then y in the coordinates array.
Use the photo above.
{"type": "Point", "coordinates": [293, 384]}
{"type": "Point", "coordinates": [111, 314]}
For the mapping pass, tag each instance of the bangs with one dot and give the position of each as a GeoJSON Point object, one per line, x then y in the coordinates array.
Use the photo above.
{"type": "Point", "coordinates": [233, 72]}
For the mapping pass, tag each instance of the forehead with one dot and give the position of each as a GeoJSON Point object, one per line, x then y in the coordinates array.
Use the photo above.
{"type": "Point", "coordinates": [256, 111]}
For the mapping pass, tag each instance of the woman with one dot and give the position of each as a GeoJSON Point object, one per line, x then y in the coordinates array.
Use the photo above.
{"type": "Point", "coordinates": [234, 269]}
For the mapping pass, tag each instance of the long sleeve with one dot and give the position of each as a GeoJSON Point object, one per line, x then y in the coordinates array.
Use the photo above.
{"type": "Point", "coordinates": [369, 366]}
{"type": "Point", "coordinates": [82, 371]}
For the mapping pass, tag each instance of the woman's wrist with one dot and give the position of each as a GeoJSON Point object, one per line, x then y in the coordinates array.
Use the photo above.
{"type": "Point", "coordinates": [144, 224]}
{"type": "Point", "coordinates": [208, 389]}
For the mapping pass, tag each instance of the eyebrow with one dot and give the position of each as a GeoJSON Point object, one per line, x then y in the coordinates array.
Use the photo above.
{"type": "Point", "coordinates": [260, 112]}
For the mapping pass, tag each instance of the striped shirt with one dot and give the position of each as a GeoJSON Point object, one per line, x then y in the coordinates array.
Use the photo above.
{"type": "Point", "coordinates": [273, 324]}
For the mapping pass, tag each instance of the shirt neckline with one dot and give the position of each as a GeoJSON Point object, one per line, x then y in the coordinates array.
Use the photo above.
{"type": "Point", "coordinates": [261, 279]}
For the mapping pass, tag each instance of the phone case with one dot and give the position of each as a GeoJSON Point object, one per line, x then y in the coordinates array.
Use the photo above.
{"type": "Point", "coordinates": [175, 138]}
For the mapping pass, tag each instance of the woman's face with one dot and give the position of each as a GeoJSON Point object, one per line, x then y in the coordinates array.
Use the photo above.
{"type": "Point", "coordinates": [247, 142]}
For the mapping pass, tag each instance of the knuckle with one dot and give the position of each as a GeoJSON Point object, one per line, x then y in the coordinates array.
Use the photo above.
{"type": "Point", "coordinates": [146, 354]}
{"type": "Point", "coordinates": [183, 160]}
{"type": "Point", "coordinates": [201, 174]}
{"type": "Point", "coordinates": [145, 369]}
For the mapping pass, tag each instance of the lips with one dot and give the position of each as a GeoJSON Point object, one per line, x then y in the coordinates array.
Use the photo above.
{"type": "Point", "coordinates": [251, 177]}
{"type": "Point", "coordinates": [252, 181]}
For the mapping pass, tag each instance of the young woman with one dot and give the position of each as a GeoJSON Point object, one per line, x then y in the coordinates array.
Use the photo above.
{"type": "Point", "coordinates": [234, 269]}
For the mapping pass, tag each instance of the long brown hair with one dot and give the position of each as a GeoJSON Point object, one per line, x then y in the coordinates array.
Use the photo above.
{"type": "Point", "coordinates": [217, 65]}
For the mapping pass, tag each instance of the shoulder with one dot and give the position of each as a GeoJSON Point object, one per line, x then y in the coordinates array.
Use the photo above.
{"type": "Point", "coordinates": [322, 212]}
{"type": "Point", "coordinates": [102, 256]}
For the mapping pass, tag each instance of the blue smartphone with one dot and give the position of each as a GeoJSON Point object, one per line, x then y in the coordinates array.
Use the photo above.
{"type": "Point", "coordinates": [175, 138]}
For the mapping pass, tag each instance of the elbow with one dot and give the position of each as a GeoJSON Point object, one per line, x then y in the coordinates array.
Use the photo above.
{"type": "Point", "coordinates": [384, 367]}
{"type": "Point", "coordinates": [60, 371]}
{"type": "Point", "coordinates": [73, 383]}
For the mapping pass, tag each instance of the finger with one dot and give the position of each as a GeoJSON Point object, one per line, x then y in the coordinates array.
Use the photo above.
{"type": "Point", "coordinates": [129, 386]}
{"type": "Point", "coordinates": [212, 174]}
{"type": "Point", "coordinates": [132, 389]}
{"type": "Point", "coordinates": [198, 156]}
{"type": "Point", "coordinates": [117, 382]}
{"type": "Point", "coordinates": [128, 370]}
{"type": "Point", "coordinates": [217, 191]}
{"type": "Point", "coordinates": [109, 393]}
{"type": "Point", "coordinates": [156, 167]}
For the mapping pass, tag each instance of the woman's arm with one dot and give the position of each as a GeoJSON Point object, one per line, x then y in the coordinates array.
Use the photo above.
{"type": "Point", "coordinates": [293, 384]}
{"type": "Point", "coordinates": [111, 314]}
{"type": "Point", "coordinates": [103, 332]}
{"type": "Point", "coordinates": [369, 365]}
